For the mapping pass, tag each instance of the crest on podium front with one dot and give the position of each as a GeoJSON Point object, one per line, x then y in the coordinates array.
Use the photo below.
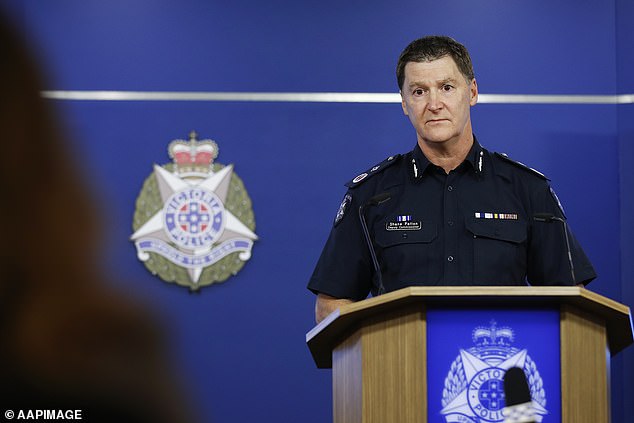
{"type": "Point", "coordinates": [474, 389]}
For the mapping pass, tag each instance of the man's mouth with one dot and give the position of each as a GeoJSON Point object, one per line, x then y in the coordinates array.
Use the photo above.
{"type": "Point", "coordinates": [439, 120]}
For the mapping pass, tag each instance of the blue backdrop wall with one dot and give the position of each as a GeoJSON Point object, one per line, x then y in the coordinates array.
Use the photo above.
{"type": "Point", "coordinates": [242, 341]}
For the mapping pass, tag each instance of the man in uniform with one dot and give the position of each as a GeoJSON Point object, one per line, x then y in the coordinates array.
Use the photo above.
{"type": "Point", "coordinates": [449, 212]}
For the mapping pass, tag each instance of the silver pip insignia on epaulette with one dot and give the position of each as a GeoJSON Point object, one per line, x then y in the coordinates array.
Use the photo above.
{"type": "Point", "coordinates": [521, 165]}
{"type": "Point", "coordinates": [373, 171]}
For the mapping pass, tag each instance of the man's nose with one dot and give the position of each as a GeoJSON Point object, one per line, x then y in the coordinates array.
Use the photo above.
{"type": "Point", "coordinates": [435, 102]}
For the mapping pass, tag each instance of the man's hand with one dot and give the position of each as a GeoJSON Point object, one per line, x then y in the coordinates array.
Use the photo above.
{"type": "Point", "coordinates": [326, 304]}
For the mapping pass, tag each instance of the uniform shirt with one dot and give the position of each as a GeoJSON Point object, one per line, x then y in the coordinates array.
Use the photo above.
{"type": "Point", "coordinates": [473, 226]}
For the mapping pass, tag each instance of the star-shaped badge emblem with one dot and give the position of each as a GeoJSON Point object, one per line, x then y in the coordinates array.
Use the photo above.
{"type": "Point", "coordinates": [194, 228]}
{"type": "Point", "coordinates": [485, 390]}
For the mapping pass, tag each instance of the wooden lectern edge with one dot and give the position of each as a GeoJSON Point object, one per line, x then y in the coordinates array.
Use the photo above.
{"type": "Point", "coordinates": [350, 313]}
{"type": "Point", "coordinates": [323, 324]}
{"type": "Point", "coordinates": [607, 302]}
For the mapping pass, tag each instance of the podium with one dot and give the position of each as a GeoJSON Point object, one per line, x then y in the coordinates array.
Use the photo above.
{"type": "Point", "coordinates": [381, 351]}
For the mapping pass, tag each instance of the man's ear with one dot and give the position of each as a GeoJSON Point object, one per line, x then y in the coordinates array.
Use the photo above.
{"type": "Point", "coordinates": [403, 103]}
{"type": "Point", "coordinates": [473, 92]}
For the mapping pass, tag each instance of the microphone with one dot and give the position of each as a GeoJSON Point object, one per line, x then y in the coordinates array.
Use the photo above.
{"type": "Point", "coordinates": [549, 218]}
{"type": "Point", "coordinates": [519, 406]}
{"type": "Point", "coordinates": [374, 201]}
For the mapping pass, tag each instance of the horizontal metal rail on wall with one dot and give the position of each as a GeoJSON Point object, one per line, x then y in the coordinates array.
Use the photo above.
{"type": "Point", "coordinates": [322, 97]}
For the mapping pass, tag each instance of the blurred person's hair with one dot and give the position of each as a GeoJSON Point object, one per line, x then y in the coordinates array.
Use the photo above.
{"type": "Point", "coordinates": [67, 337]}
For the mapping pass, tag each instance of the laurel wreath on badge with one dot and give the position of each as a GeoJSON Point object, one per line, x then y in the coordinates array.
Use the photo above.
{"type": "Point", "coordinates": [195, 236]}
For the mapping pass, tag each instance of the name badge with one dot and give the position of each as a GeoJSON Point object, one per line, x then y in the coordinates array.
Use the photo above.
{"type": "Point", "coordinates": [404, 223]}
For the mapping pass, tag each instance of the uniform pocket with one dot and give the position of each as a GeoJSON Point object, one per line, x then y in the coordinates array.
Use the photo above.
{"type": "Point", "coordinates": [389, 238]}
{"type": "Point", "coordinates": [514, 231]}
{"type": "Point", "coordinates": [408, 255]}
{"type": "Point", "coordinates": [499, 250]}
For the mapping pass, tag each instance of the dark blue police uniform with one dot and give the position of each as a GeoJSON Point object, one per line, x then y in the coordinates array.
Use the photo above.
{"type": "Point", "coordinates": [473, 226]}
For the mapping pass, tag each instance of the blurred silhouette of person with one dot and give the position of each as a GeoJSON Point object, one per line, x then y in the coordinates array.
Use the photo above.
{"type": "Point", "coordinates": [68, 338]}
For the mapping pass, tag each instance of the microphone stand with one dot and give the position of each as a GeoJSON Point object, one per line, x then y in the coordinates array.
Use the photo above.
{"type": "Point", "coordinates": [549, 218]}
{"type": "Point", "coordinates": [374, 201]}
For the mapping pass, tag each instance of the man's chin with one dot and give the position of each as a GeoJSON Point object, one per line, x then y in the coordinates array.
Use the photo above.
{"type": "Point", "coordinates": [436, 138]}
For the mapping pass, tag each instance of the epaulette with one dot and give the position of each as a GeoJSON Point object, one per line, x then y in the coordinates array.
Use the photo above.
{"type": "Point", "coordinates": [361, 178]}
{"type": "Point", "coordinates": [507, 159]}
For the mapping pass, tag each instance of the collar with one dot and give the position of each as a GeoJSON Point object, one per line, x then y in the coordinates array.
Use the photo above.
{"type": "Point", "coordinates": [419, 162]}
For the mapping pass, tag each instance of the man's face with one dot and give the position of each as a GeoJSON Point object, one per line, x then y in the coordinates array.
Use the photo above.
{"type": "Point", "coordinates": [437, 99]}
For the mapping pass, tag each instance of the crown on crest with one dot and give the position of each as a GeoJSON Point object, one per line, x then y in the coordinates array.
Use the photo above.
{"type": "Point", "coordinates": [193, 155]}
{"type": "Point", "coordinates": [493, 336]}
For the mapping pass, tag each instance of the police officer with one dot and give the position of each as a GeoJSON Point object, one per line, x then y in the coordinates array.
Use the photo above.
{"type": "Point", "coordinates": [449, 212]}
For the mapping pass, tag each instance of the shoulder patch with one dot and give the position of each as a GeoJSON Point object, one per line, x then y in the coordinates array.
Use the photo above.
{"type": "Point", "coordinates": [343, 208]}
{"type": "Point", "coordinates": [507, 159]}
{"type": "Point", "coordinates": [359, 179]}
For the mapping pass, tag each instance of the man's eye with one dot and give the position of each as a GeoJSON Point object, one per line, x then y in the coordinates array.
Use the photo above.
{"type": "Point", "coordinates": [447, 87]}
{"type": "Point", "coordinates": [418, 91]}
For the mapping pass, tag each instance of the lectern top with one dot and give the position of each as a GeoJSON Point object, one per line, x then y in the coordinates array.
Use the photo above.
{"type": "Point", "coordinates": [324, 337]}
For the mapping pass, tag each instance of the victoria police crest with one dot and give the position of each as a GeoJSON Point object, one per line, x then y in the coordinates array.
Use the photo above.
{"type": "Point", "coordinates": [474, 390]}
{"type": "Point", "coordinates": [193, 223]}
